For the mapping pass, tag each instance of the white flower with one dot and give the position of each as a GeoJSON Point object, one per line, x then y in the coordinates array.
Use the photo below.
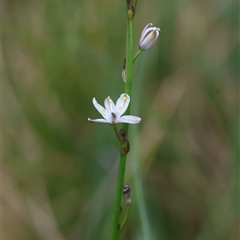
{"type": "Point", "coordinates": [113, 113]}
{"type": "Point", "coordinates": [149, 36]}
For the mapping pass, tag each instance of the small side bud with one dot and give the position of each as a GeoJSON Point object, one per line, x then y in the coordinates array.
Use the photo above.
{"type": "Point", "coordinates": [126, 147]}
{"type": "Point", "coordinates": [124, 70]}
{"type": "Point", "coordinates": [131, 12]}
{"type": "Point", "coordinates": [126, 194]}
{"type": "Point", "coordinates": [131, 9]}
{"type": "Point", "coordinates": [124, 74]}
{"type": "Point", "coordinates": [149, 36]}
{"type": "Point", "coordinates": [125, 142]}
{"type": "Point", "coordinates": [134, 3]}
{"type": "Point", "coordinates": [123, 134]}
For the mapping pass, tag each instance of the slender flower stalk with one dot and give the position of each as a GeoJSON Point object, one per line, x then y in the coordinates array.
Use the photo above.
{"type": "Point", "coordinates": [129, 58]}
{"type": "Point", "coordinates": [123, 157]}
{"type": "Point", "coordinates": [128, 203]}
{"type": "Point", "coordinates": [123, 223]}
{"type": "Point", "coordinates": [137, 54]}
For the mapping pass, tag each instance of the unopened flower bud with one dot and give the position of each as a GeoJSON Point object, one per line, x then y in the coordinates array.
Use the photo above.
{"type": "Point", "coordinates": [125, 142]}
{"type": "Point", "coordinates": [131, 9]}
{"type": "Point", "coordinates": [123, 134]}
{"type": "Point", "coordinates": [149, 36]}
{"type": "Point", "coordinates": [126, 194]}
{"type": "Point", "coordinates": [125, 147]}
{"type": "Point", "coordinates": [124, 70]}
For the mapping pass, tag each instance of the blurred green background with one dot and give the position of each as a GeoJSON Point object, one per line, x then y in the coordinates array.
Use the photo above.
{"type": "Point", "coordinates": [59, 170]}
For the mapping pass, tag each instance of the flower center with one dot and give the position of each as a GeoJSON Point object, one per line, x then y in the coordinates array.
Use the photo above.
{"type": "Point", "coordinates": [113, 115]}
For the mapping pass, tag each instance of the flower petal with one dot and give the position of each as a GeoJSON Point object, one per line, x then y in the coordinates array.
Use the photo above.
{"type": "Point", "coordinates": [129, 119]}
{"type": "Point", "coordinates": [122, 103]}
{"type": "Point", "coordinates": [97, 120]}
{"type": "Point", "coordinates": [145, 28]}
{"type": "Point", "coordinates": [109, 105]}
{"type": "Point", "coordinates": [101, 109]}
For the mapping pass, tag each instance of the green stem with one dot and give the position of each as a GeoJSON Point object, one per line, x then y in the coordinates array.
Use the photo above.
{"type": "Point", "coordinates": [117, 205]}
{"type": "Point", "coordinates": [125, 218]}
{"type": "Point", "coordinates": [129, 65]}
{"type": "Point", "coordinates": [117, 134]}
{"type": "Point", "coordinates": [137, 54]}
{"type": "Point", "coordinates": [123, 157]}
{"type": "Point", "coordinates": [129, 59]}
